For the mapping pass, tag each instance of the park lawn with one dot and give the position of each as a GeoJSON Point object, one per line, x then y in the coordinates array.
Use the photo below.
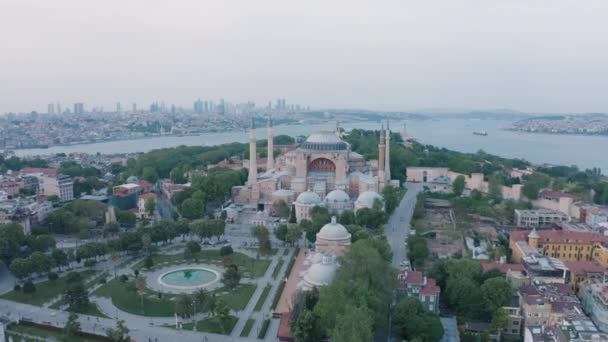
{"type": "Point", "coordinates": [153, 306]}
{"type": "Point", "coordinates": [246, 264]}
{"type": "Point", "coordinates": [45, 291]}
{"type": "Point", "coordinates": [45, 333]}
{"type": "Point", "coordinates": [213, 325]}
{"type": "Point", "coordinates": [264, 328]}
{"type": "Point", "coordinates": [247, 328]}
{"type": "Point", "coordinates": [262, 299]}
{"type": "Point", "coordinates": [92, 309]}
{"type": "Point", "coordinates": [286, 252]}
{"type": "Point", "coordinates": [277, 269]}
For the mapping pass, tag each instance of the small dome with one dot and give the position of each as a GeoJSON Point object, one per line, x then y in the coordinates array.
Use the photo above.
{"type": "Point", "coordinates": [321, 274]}
{"type": "Point", "coordinates": [337, 196]}
{"type": "Point", "coordinates": [367, 198]}
{"type": "Point", "coordinates": [132, 179]}
{"type": "Point", "coordinates": [333, 231]}
{"type": "Point", "coordinates": [309, 198]}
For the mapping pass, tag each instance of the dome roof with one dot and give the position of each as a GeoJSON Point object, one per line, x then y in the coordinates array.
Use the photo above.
{"type": "Point", "coordinates": [132, 179]}
{"type": "Point", "coordinates": [308, 197]}
{"type": "Point", "coordinates": [323, 137]}
{"type": "Point", "coordinates": [321, 274]}
{"type": "Point", "coordinates": [333, 231]}
{"type": "Point", "coordinates": [367, 198]}
{"type": "Point", "coordinates": [337, 196]}
{"type": "Point", "coordinates": [324, 141]}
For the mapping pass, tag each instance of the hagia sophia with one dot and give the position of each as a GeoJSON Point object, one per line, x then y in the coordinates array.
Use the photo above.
{"type": "Point", "coordinates": [321, 171]}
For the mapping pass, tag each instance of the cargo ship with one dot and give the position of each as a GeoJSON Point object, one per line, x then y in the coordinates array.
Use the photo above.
{"type": "Point", "coordinates": [482, 133]}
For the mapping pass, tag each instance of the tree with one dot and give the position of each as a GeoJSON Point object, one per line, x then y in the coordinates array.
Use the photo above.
{"type": "Point", "coordinates": [355, 325]}
{"type": "Point", "coordinates": [418, 250]}
{"type": "Point", "coordinates": [150, 174]}
{"type": "Point", "coordinates": [495, 187]}
{"type": "Point", "coordinates": [411, 320]}
{"type": "Point", "coordinates": [232, 276]}
{"type": "Point", "coordinates": [59, 258]}
{"type": "Point", "coordinates": [21, 268]}
{"type": "Point", "coordinates": [72, 326]}
{"type": "Point", "coordinates": [120, 333]}
{"type": "Point", "coordinates": [496, 293]}
{"type": "Point", "coordinates": [306, 327]}
{"type": "Point", "coordinates": [29, 287]}
{"type": "Point", "coordinates": [281, 232]}
{"type": "Point", "coordinates": [292, 215]}
{"type": "Point", "coordinates": [391, 198]}
{"type": "Point", "coordinates": [226, 250]}
{"type": "Point", "coordinates": [76, 296]}
{"type": "Point", "coordinates": [193, 247]}
{"type": "Point", "coordinates": [500, 319]}
{"type": "Point", "coordinates": [458, 185]}
{"type": "Point", "coordinates": [281, 209]}
{"type": "Point", "coordinates": [150, 206]}
{"type": "Point", "coordinates": [140, 285]}
{"type": "Point", "coordinates": [148, 262]}
{"type": "Point", "coordinates": [192, 209]}
{"type": "Point", "coordinates": [261, 233]}
{"type": "Point", "coordinates": [347, 217]}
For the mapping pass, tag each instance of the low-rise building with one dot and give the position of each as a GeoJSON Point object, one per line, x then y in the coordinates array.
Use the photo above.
{"type": "Point", "coordinates": [415, 284]}
{"type": "Point", "coordinates": [595, 304]}
{"type": "Point", "coordinates": [547, 304]}
{"type": "Point", "coordinates": [141, 205]}
{"type": "Point", "coordinates": [535, 218]}
{"type": "Point", "coordinates": [61, 186]}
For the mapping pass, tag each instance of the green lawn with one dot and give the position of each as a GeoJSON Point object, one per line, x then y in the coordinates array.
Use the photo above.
{"type": "Point", "coordinates": [277, 269]}
{"type": "Point", "coordinates": [45, 291]}
{"type": "Point", "coordinates": [153, 306]}
{"type": "Point", "coordinates": [277, 295]}
{"type": "Point", "coordinates": [40, 332]}
{"type": "Point", "coordinates": [249, 266]}
{"type": "Point", "coordinates": [247, 328]}
{"type": "Point", "coordinates": [213, 325]}
{"type": "Point", "coordinates": [92, 310]}
{"type": "Point", "coordinates": [286, 252]}
{"type": "Point", "coordinates": [264, 328]}
{"type": "Point", "coordinates": [262, 299]}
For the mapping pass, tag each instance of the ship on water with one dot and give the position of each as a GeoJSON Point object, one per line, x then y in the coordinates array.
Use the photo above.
{"type": "Point", "coordinates": [482, 133]}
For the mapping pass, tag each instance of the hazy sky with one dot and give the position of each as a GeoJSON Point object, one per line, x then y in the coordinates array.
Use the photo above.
{"type": "Point", "coordinates": [529, 55]}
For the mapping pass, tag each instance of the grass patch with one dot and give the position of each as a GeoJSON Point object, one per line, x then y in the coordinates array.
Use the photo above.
{"type": "Point", "coordinates": [262, 299]}
{"type": "Point", "coordinates": [92, 309]}
{"type": "Point", "coordinates": [45, 333]}
{"type": "Point", "coordinates": [153, 306]}
{"type": "Point", "coordinates": [277, 269]}
{"type": "Point", "coordinates": [45, 291]}
{"type": "Point", "coordinates": [213, 325]}
{"type": "Point", "coordinates": [249, 266]}
{"type": "Point", "coordinates": [277, 295]}
{"type": "Point", "coordinates": [286, 252]}
{"type": "Point", "coordinates": [264, 328]}
{"type": "Point", "coordinates": [247, 328]}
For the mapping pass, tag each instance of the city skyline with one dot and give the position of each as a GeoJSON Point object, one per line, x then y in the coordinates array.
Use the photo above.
{"type": "Point", "coordinates": [545, 56]}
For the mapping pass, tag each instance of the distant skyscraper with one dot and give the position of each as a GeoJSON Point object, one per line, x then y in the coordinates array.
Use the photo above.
{"type": "Point", "coordinates": [134, 107]}
{"type": "Point", "coordinates": [79, 108]}
{"type": "Point", "coordinates": [118, 109]}
{"type": "Point", "coordinates": [198, 106]}
{"type": "Point", "coordinates": [50, 109]}
{"type": "Point", "coordinates": [58, 108]}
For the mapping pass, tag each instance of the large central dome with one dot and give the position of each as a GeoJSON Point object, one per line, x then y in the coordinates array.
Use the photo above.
{"type": "Point", "coordinates": [324, 141]}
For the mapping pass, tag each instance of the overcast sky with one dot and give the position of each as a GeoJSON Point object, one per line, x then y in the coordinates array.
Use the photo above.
{"type": "Point", "coordinates": [528, 55]}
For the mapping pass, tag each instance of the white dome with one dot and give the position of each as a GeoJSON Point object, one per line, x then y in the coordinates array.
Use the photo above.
{"type": "Point", "coordinates": [337, 196]}
{"type": "Point", "coordinates": [323, 137]}
{"type": "Point", "coordinates": [321, 274]}
{"type": "Point", "coordinates": [333, 231]}
{"type": "Point", "coordinates": [367, 198]}
{"type": "Point", "coordinates": [132, 179]}
{"type": "Point", "coordinates": [308, 197]}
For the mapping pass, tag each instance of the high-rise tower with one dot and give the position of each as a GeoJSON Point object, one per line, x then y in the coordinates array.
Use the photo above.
{"type": "Point", "coordinates": [381, 158]}
{"type": "Point", "coordinates": [253, 163]}
{"type": "Point", "coordinates": [270, 154]}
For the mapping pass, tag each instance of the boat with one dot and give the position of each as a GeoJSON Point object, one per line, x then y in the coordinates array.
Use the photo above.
{"type": "Point", "coordinates": [482, 133]}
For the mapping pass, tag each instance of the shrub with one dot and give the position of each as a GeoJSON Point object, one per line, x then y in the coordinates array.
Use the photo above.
{"type": "Point", "coordinates": [89, 263]}
{"type": "Point", "coordinates": [53, 276]}
{"type": "Point", "coordinates": [29, 287]}
{"type": "Point", "coordinates": [17, 288]}
{"type": "Point", "coordinates": [123, 278]}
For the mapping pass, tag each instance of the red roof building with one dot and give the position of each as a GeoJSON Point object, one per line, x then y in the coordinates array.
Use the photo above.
{"type": "Point", "coordinates": [415, 284]}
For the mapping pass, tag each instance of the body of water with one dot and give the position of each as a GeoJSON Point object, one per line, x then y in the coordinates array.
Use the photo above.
{"type": "Point", "coordinates": [455, 134]}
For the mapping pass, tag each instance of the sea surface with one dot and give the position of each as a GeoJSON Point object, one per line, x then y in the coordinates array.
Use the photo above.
{"type": "Point", "coordinates": [455, 134]}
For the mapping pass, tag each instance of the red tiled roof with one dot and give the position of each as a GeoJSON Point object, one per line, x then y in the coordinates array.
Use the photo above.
{"type": "Point", "coordinates": [562, 236]}
{"type": "Point", "coordinates": [430, 290]}
{"type": "Point", "coordinates": [583, 267]}
{"type": "Point", "coordinates": [548, 194]}
{"type": "Point", "coordinates": [504, 268]}
{"type": "Point", "coordinates": [411, 277]}
{"type": "Point", "coordinates": [47, 171]}
{"type": "Point", "coordinates": [147, 195]}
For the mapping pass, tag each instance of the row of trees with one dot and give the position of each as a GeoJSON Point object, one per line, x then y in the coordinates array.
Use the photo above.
{"type": "Point", "coordinates": [14, 243]}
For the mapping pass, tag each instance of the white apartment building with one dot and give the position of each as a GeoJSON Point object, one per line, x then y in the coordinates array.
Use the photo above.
{"type": "Point", "coordinates": [539, 217]}
{"type": "Point", "coordinates": [61, 185]}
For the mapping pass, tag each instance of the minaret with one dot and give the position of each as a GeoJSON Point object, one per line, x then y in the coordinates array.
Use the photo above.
{"type": "Point", "coordinates": [387, 156]}
{"type": "Point", "coordinates": [381, 158]}
{"type": "Point", "coordinates": [253, 162]}
{"type": "Point", "coordinates": [338, 128]}
{"type": "Point", "coordinates": [270, 154]}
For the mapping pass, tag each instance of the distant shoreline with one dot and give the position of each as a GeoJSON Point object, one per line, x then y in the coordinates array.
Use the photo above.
{"type": "Point", "coordinates": [604, 135]}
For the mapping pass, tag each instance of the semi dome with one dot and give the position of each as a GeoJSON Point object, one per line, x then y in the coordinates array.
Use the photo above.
{"type": "Point", "coordinates": [308, 197]}
{"type": "Point", "coordinates": [333, 231]}
{"type": "Point", "coordinates": [321, 274]}
{"type": "Point", "coordinates": [367, 198]}
{"type": "Point", "coordinates": [324, 141]}
{"type": "Point", "coordinates": [337, 196]}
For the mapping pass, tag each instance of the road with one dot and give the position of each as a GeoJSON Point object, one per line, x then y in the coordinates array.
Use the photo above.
{"type": "Point", "coordinates": [398, 226]}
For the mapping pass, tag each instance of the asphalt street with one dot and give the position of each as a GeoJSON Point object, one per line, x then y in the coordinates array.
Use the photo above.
{"type": "Point", "coordinates": [398, 226]}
